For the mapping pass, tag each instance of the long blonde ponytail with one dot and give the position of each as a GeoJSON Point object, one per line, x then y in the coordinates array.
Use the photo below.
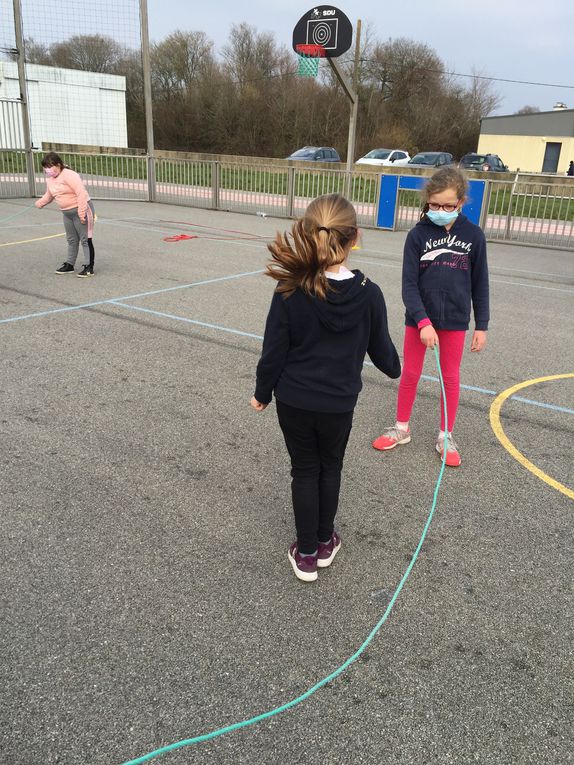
{"type": "Point", "coordinates": [322, 238]}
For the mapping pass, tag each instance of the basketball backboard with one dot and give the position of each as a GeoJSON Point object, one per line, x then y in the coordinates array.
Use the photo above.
{"type": "Point", "coordinates": [326, 26]}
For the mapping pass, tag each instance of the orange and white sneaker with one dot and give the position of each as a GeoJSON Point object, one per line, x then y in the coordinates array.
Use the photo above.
{"type": "Point", "coordinates": [392, 437]}
{"type": "Point", "coordinates": [452, 454]}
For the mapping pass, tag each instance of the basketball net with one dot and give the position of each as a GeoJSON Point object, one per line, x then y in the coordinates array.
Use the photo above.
{"type": "Point", "coordinates": [309, 55]}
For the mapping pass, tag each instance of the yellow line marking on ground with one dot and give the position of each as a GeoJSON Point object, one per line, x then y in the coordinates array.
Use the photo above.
{"type": "Point", "coordinates": [509, 446]}
{"type": "Point", "coordinates": [27, 241]}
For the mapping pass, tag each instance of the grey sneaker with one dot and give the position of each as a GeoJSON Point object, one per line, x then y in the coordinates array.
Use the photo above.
{"type": "Point", "coordinates": [392, 437]}
{"type": "Point", "coordinates": [452, 454]}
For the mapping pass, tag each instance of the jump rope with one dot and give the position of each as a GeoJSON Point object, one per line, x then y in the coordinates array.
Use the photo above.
{"type": "Point", "coordinates": [25, 209]}
{"type": "Point", "coordinates": [304, 696]}
{"type": "Point", "coordinates": [290, 704]}
{"type": "Point", "coordinates": [202, 232]}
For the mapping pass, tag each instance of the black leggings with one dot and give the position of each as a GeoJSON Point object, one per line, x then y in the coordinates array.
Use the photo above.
{"type": "Point", "coordinates": [316, 442]}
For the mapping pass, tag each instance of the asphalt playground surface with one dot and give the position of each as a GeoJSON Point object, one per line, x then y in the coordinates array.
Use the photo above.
{"type": "Point", "coordinates": [146, 592]}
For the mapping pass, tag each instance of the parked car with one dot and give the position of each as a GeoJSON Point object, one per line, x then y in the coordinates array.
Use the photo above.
{"type": "Point", "coordinates": [316, 154]}
{"type": "Point", "coordinates": [385, 158]}
{"type": "Point", "coordinates": [430, 159]}
{"type": "Point", "coordinates": [483, 162]}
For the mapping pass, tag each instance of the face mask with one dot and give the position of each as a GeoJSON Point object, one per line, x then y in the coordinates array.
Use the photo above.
{"type": "Point", "coordinates": [52, 172]}
{"type": "Point", "coordinates": [442, 218]}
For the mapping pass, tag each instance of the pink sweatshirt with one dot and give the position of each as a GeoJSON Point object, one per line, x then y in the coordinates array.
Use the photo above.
{"type": "Point", "coordinates": [68, 190]}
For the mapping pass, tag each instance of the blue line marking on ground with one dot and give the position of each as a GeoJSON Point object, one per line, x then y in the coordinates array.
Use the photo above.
{"type": "Point", "coordinates": [119, 301]}
{"type": "Point", "coordinates": [533, 286]}
{"type": "Point", "coordinates": [128, 297]}
{"type": "Point", "coordinates": [232, 331]}
{"type": "Point", "coordinates": [187, 321]}
{"type": "Point", "coordinates": [465, 387]}
{"type": "Point", "coordinates": [531, 402]}
{"type": "Point", "coordinates": [491, 279]}
{"type": "Point", "coordinates": [488, 392]}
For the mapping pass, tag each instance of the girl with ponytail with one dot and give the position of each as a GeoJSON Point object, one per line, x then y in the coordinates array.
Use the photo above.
{"type": "Point", "coordinates": [322, 321]}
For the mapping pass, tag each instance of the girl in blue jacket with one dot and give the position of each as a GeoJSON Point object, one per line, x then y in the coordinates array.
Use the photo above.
{"type": "Point", "coordinates": [322, 320]}
{"type": "Point", "coordinates": [444, 272]}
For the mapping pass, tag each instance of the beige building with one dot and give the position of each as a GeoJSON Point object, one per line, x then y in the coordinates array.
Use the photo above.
{"type": "Point", "coordinates": [542, 142]}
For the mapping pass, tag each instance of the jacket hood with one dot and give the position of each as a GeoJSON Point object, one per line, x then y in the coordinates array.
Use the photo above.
{"type": "Point", "coordinates": [345, 303]}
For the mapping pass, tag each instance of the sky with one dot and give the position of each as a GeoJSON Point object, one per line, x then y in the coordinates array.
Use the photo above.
{"type": "Point", "coordinates": [510, 39]}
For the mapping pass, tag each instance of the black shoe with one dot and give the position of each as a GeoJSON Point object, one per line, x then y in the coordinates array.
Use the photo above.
{"type": "Point", "coordinates": [65, 268]}
{"type": "Point", "coordinates": [86, 271]}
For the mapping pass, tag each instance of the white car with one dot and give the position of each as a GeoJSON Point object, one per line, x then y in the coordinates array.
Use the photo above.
{"type": "Point", "coordinates": [385, 158]}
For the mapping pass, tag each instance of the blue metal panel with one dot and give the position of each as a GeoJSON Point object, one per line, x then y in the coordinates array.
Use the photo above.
{"type": "Point", "coordinates": [387, 201]}
{"type": "Point", "coordinates": [388, 197]}
{"type": "Point", "coordinates": [475, 197]}
{"type": "Point", "coordinates": [413, 182]}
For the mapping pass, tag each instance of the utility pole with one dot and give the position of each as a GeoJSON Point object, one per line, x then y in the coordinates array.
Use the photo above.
{"type": "Point", "coordinates": [352, 95]}
{"type": "Point", "coordinates": [355, 103]}
{"type": "Point", "coordinates": [144, 25]}
{"type": "Point", "coordinates": [21, 60]}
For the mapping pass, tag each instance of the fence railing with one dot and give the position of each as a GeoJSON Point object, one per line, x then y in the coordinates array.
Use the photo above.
{"type": "Point", "coordinates": [11, 127]}
{"type": "Point", "coordinates": [531, 212]}
{"type": "Point", "coordinates": [528, 210]}
{"type": "Point", "coordinates": [269, 189]}
{"type": "Point", "coordinates": [13, 176]}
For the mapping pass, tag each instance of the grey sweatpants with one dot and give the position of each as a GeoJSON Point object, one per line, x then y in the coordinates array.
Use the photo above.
{"type": "Point", "coordinates": [77, 232]}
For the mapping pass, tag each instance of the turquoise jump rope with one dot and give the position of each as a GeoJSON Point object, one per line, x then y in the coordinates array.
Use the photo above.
{"type": "Point", "coordinates": [288, 705]}
{"type": "Point", "coordinates": [26, 209]}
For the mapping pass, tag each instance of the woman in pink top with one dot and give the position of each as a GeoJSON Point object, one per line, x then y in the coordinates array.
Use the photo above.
{"type": "Point", "coordinates": [67, 188]}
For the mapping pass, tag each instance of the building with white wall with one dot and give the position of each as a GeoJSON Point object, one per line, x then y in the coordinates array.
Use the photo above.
{"type": "Point", "coordinates": [541, 142]}
{"type": "Point", "coordinates": [65, 106]}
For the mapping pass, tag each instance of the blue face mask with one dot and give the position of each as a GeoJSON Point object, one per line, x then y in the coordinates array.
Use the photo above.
{"type": "Point", "coordinates": [442, 218]}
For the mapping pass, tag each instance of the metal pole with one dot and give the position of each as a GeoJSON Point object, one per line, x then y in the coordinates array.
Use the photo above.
{"type": "Point", "coordinates": [355, 103]}
{"type": "Point", "coordinates": [146, 70]}
{"type": "Point", "coordinates": [508, 226]}
{"type": "Point", "coordinates": [215, 184]}
{"type": "Point", "coordinates": [342, 79]}
{"type": "Point", "coordinates": [290, 192]}
{"type": "Point", "coordinates": [21, 59]}
{"type": "Point", "coordinates": [485, 204]}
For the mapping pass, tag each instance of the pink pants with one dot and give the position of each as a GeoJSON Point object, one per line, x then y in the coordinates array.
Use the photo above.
{"type": "Point", "coordinates": [450, 346]}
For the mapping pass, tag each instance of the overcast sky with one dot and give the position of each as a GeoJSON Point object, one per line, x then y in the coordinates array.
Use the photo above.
{"type": "Point", "coordinates": [511, 39]}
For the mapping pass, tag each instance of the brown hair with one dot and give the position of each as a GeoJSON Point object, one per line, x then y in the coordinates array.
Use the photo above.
{"type": "Point", "coordinates": [445, 178]}
{"type": "Point", "coordinates": [320, 239]}
{"type": "Point", "coordinates": [53, 160]}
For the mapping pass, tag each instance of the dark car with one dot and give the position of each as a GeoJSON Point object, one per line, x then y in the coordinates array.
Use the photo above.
{"type": "Point", "coordinates": [315, 154]}
{"type": "Point", "coordinates": [430, 159]}
{"type": "Point", "coordinates": [483, 162]}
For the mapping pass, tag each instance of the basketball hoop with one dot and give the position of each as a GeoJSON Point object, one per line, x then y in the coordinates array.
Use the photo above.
{"type": "Point", "coordinates": [309, 56]}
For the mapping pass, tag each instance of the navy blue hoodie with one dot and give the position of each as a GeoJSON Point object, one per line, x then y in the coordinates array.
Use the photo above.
{"type": "Point", "coordinates": [442, 271]}
{"type": "Point", "coordinates": [313, 349]}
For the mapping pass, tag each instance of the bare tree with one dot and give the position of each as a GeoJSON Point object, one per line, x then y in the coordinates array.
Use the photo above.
{"type": "Point", "coordinates": [180, 60]}
{"type": "Point", "coordinates": [252, 102]}
{"type": "Point", "coordinates": [528, 110]}
{"type": "Point", "coordinates": [91, 53]}
{"type": "Point", "coordinates": [36, 53]}
{"type": "Point", "coordinates": [404, 69]}
{"type": "Point", "coordinates": [250, 55]}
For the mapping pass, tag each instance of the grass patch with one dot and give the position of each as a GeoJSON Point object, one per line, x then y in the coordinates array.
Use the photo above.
{"type": "Point", "coordinates": [540, 203]}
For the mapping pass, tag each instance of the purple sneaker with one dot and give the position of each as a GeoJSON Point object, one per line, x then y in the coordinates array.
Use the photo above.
{"type": "Point", "coordinates": [328, 550]}
{"type": "Point", "coordinates": [304, 566]}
